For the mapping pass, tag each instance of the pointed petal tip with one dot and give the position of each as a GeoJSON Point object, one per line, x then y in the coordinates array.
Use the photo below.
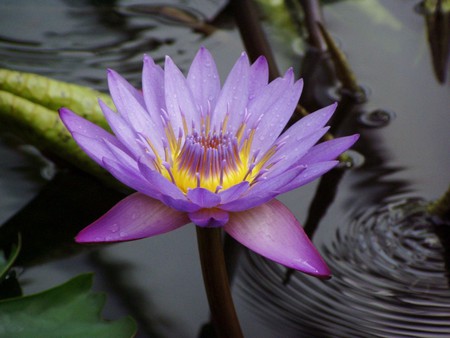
{"type": "Point", "coordinates": [243, 58]}
{"type": "Point", "coordinates": [135, 217]}
{"type": "Point", "coordinates": [261, 59]}
{"type": "Point", "coordinates": [319, 269]}
{"type": "Point", "coordinates": [289, 74]}
{"type": "Point", "coordinates": [271, 230]}
{"type": "Point", "coordinates": [148, 59]}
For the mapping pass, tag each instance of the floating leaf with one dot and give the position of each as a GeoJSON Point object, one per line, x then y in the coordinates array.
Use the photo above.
{"type": "Point", "coordinates": [43, 128]}
{"type": "Point", "coordinates": [28, 108]}
{"type": "Point", "coordinates": [68, 310]}
{"type": "Point", "coordinates": [53, 94]}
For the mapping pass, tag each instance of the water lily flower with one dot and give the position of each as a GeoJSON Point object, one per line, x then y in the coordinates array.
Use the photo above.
{"type": "Point", "coordinates": [198, 152]}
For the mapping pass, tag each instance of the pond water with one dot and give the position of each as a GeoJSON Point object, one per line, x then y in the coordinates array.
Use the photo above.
{"type": "Point", "coordinates": [390, 268]}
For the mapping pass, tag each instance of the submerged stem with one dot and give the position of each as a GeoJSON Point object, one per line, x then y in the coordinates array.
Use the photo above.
{"type": "Point", "coordinates": [215, 279]}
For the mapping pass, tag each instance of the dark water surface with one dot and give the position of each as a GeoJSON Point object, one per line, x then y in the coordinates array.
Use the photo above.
{"type": "Point", "coordinates": [388, 261]}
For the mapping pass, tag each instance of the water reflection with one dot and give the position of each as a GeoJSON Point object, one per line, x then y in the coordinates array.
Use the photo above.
{"type": "Point", "coordinates": [388, 280]}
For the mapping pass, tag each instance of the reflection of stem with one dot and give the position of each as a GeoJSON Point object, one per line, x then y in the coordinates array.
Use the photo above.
{"type": "Point", "coordinates": [343, 70]}
{"type": "Point", "coordinates": [438, 29]}
{"type": "Point", "coordinates": [441, 207]}
{"type": "Point", "coordinates": [313, 14]}
{"type": "Point", "coordinates": [216, 282]}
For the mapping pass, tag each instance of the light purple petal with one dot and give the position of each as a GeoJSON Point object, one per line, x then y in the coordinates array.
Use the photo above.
{"type": "Point", "coordinates": [179, 204]}
{"type": "Point", "coordinates": [153, 90]}
{"type": "Point", "coordinates": [203, 197]}
{"type": "Point", "coordinates": [179, 99]}
{"type": "Point", "coordinates": [245, 203]}
{"type": "Point", "coordinates": [291, 153]}
{"type": "Point", "coordinates": [329, 150]}
{"type": "Point", "coordinates": [203, 80]}
{"type": "Point", "coordinates": [209, 217]}
{"type": "Point", "coordinates": [131, 106]}
{"type": "Point", "coordinates": [130, 177]}
{"type": "Point", "coordinates": [233, 192]}
{"type": "Point", "coordinates": [312, 172]}
{"type": "Point", "coordinates": [308, 124]}
{"type": "Point", "coordinates": [122, 130]}
{"type": "Point", "coordinates": [263, 191]}
{"type": "Point", "coordinates": [273, 184]}
{"type": "Point", "coordinates": [258, 77]}
{"type": "Point", "coordinates": [89, 136]}
{"type": "Point", "coordinates": [137, 216]}
{"type": "Point", "coordinates": [276, 115]}
{"type": "Point", "coordinates": [272, 231]}
{"type": "Point", "coordinates": [160, 183]}
{"type": "Point", "coordinates": [234, 96]}
{"type": "Point", "coordinates": [122, 156]}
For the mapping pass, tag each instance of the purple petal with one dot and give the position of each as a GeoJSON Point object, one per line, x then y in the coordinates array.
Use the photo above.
{"type": "Point", "coordinates": [153, 90]}
{"type": "Point", "coordinates": [258, 77]}
{"type": "Point", "coordinates": [246, 203]}
{"type": "Point", "coordinates": [179, 99]}
{"type": "Point", "coordinates": [160, 183]}
{"type": "Point", "coordinates": [203, 80]}
{"type": "Point", "coordinates": [234, 96]}
{"type": "Point", "coordinates": [137, 216]}
{"type": "Point", "coordinates": [233, 192]}
{"type": "Point", "coordinates": [203, 197]}
{"type": "Point", "coordinates": [274, 183]}
{"type": "Point", "coordinates": [309, 124]}
{"type": "Point", "coordinates": [179, 204]}
{"type": "Point", "coordinates": [122, 130]}
{"type": "Point", "coordinates": [209, 217]}
{"type": "Point", "coordinates": [130, 177]}
{"type": "Point", "coordinates": [272, 231]}
{"type": "Point", "coordinates": [89, 136]}
{"type": "Point", "coordinates": [291, 153]}
{"type": "Point", "coordinates": [312, 172]}
{"type": "Point", "coordinates": [329, 150]}
{"type": "Point", "coordinates": [263, 191]}
{"type": "Point", "coordinates": [131, 106]}
{"type": "Point", "coordinates": [276, 114]}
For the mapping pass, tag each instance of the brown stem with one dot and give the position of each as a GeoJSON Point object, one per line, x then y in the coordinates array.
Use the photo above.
{"type": "Point", "coordinates": [252, 34]}
{"type": "Point", "coordinates": [215, 279]}
{"type": "Point", "coordinates": [313, 14]}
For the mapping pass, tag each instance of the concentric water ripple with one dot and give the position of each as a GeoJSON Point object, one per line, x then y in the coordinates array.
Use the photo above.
{"type": "Point", "coordinates": [389, 280]}
{"type": "Point", "coordinates": [76, 42]}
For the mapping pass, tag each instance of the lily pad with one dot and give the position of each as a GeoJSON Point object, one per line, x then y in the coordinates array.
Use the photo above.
{"type": "Point", "coordinates": [68, 310]}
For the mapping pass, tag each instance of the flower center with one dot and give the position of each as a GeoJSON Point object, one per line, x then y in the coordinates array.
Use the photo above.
{"type": "Point", "coordinates": [214, 160]}
{"type": "Point", "coordinates": [211, 161]}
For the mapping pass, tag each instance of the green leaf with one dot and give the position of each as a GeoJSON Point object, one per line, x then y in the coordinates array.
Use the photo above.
{"type": "Point", "coordinates": [68, 310]}
{"type": "Point", "coordinates": [6, 264]}
{"type": "Point", "coordinates": [53, 94]}
{"type": "Point", "coordinates": [43, 128]}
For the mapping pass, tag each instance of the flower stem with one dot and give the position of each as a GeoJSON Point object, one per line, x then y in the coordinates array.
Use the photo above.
{"type": "Point", "coordinates": [216, 282]}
